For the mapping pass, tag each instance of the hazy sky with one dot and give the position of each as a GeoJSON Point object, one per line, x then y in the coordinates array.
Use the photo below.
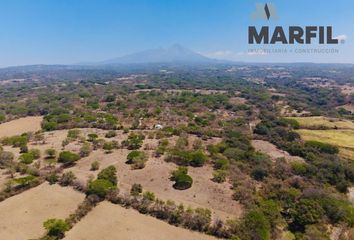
{"type": "Point", "coordinates": [72, 31]}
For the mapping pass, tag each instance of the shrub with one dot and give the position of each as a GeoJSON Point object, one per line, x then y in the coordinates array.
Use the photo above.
{"type": "Point", "coordinates": [136, 189]}
{"type": "Point", "coordinates": [51, 153]}
{"type": "Point", "coordinates": [322, 147]}
{"type": "Point", "coordinates": [74, 133]}
{"type": "Point", "coordinates": [259, 173]}
{"type": "Point", "coordinates": [221, 163]}
{"type": "Point", "coordinates": [26, 158]}
{"type": "Point", "coordinates": [56, 227]}
{"type": "Point", "coordinates": [197, 158]}
{"type": "Point", "coordinates": [85, 150]}
{"type": "Point", "coordinates": [219, 176]}
{"type": "Point", "coordinates": [35, 153]}
{"type": "Point", "coordinates": [137, 159]}
{"type": "Point", "coordinates": [149, 196]}
{"type": "Point", "coordinates": [95, 166]}
{"type": "Point", "coordinates": [182, 180]}
{"type": "Point", "coordinates": [68, 157]}
{"type": "Point", "coordinates": [67, 178]}
{"type": "Point", "coordinates": [49, 126]}
{"type": "Point", "coordinates": [25, 181]}
{"type": "Point", "coordinates": [134, 141]}
{"type": "Point", "coordinates": [92, 137]}
{"type": "Point", "coordinates": [111, 134]}
{"type": "Point", "coordinates": [6, 158]}
{"type": "Point", "coordinates": [100, 187]}
{"type": "Point", "coordinates": [52, 178]}
{"type": "Point", "coordinates": [109, 174]}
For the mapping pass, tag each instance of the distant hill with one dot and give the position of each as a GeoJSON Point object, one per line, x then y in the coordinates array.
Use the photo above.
{"type": "Point", "coordinates": [174, 54]}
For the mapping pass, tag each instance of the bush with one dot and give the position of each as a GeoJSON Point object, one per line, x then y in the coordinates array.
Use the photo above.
{"type": "Point", "coordinates": [51, 153]}
{"type": "Point", "coordinates": [92, 137]}
{"type": "Point", "coordinates": [259, 173]}
{"type": "Point", "coordinates": [26, 158]}
{"type": "Point", "coordinates": [67, 178]}
{"type": "Point", "coordinates": [95, 166]}
{"type": "Point", "coordinates": [74, 133]}
{"type": "Point", "coordinates": [56, 227]}
{"type": "Point", "coordinates": [182, 180]}
{"type": "Point", "coordinates": [85, 150]}
{"type": "Point", "coordinates": [111, 134]}
{"type": "Point", "coordinates": [219, 176]}
{"type": "Point", "coordinates": [136, 189]}
{"type": "Point", "coordinates": [134, 141]}
{"type": "Point", "coordinates": [68, 157]}
{"type": "Point", "coordinates": [197, 158]}
{"type": "Point", "coordinates": [109, 174]}
{"type": "Point", "coordinates": [100, 187]}
{"type": "Point", "coordinates": [322, 147]}
{"type": "Point", "coordinates": [35, 153]}
{"type": "Point", "coordinates": [137, 159]}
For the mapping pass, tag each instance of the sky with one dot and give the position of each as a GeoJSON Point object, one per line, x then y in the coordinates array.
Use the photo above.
{"type": "Point", "coordinates": [74, 31]}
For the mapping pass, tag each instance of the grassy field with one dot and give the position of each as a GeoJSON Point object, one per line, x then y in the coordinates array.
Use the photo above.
{"type": "Point", "coordinates": [344, 139]}
{"type": "Point", "coordinates": [320, 121]}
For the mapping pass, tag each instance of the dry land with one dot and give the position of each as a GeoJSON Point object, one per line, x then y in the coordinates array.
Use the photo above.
{"type": "Point", "coordinates": [272, 150]}
{"type": "Point", "coordinates": [108, 221]}
{"type": "Point", "coordinates": [19, 126]}
{"type": "Point", "coordinates": [22, 216]}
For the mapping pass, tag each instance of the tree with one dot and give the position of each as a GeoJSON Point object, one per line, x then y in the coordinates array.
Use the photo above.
{"type": "Point", "coordinates": [182, 179]}
{"type": "Point", "coordinates": [109, 174]}
{"type": "Point", "coordinates": [100, 187]}
{"type": "Point", "coordinates": [68, 157]}
{"type": "Point", "coordinates": [56, 227]}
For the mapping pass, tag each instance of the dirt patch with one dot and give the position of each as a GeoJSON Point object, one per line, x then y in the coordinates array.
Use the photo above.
{"type": "Point", "coordinates": [22, 216]}
{"type": "Point", "coordinates": [108, 221]}
{"type": "Point", "coordinates": [274, 152]}
{"type": "Point", "coordinates": [155, 177]}
{"type": "Point", "coordinates": [349, 107]}
{"type": "Point", "coordinates": [19, 126]}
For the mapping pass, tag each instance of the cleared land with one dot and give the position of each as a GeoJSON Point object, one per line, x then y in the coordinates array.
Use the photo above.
{"type": "Point", "coordinates": [272, 150]}
{"type": "Point", "coordinates": [19, 126]}
{"type": "Point", "coordinates": [108, 221]}
{"type": "Point", "coordinates": [155, 177]}
{"type": "Point", "coordinates": [22, 216]}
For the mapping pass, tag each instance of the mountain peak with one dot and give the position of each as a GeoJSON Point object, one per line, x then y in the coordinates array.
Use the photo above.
{"type": "Point", "coordinates": [174, 53]}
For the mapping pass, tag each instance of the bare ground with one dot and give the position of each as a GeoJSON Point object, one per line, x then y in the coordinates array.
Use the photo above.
{"type": "Point", "coordinates": [155, 177]}
{"type": "Point", "coordinates": [22, 216]}
{"type": "Point", "coordinates": [19, 126]}
{"type": "Point", "coordinates": [108, 221]}
{"type": "Point", "coordinates": [272, 150]}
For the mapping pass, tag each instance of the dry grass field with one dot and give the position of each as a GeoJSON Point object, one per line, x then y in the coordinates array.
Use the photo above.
{"type": "Point", "coordinates": [22, 216]}
{"type": "Point", "coordinates": [320, 121]}
{"type": "Point", "coordinates": [108, 221]}
{"type": "Point", "coordinates": [19, 126]}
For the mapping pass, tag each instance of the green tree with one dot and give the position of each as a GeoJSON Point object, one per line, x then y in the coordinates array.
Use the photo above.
{"type": "Point", "coordinates": [56, 227]}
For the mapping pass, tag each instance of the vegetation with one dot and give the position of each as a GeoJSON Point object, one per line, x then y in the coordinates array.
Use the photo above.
{"type": "Point", "coordinates": [182, 179]}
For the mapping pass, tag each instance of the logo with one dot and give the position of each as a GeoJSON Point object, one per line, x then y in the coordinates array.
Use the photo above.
{"type": "Point", "coordinates": [265, 12]}
{"type": "Point", "coordinates": [292, 35]}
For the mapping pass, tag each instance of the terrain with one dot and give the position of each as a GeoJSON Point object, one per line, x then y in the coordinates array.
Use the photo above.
{"type": "Point", "coordinates": [195, 151]}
